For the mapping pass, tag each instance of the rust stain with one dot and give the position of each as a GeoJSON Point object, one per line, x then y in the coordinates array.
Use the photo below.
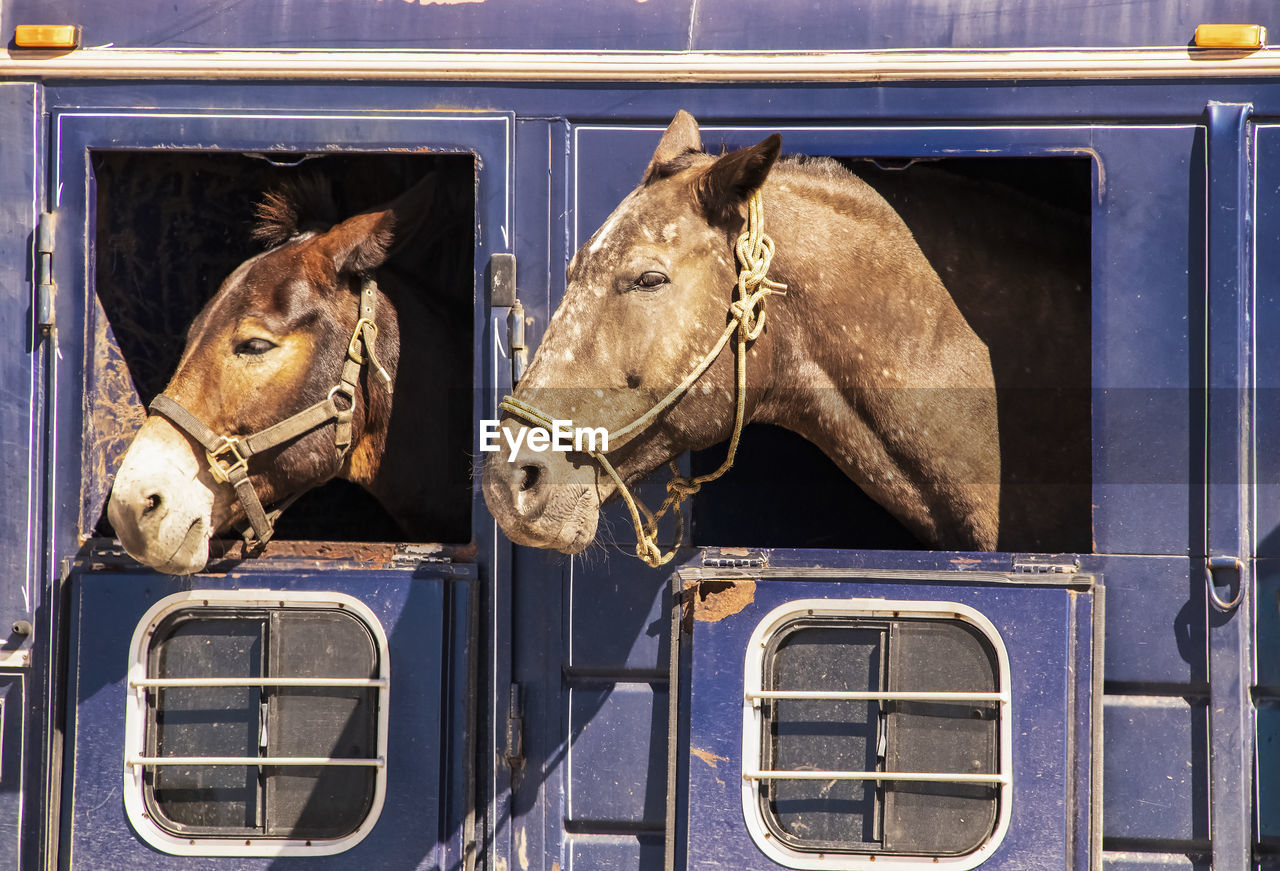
{"type": "Point", "coordinates": [352, 550]}
{"type": "Point", "coordinates": [708, 757]}
{"type": "Point", "coordinates": [964, 561]}
{"type": "Point", "coordinates": [712, 601]}
{"type": "Point", "coordinates": [228, 552]}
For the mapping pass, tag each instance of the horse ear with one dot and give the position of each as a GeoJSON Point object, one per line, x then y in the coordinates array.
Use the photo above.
{"type": "Point", "coordinates": [365, 241]}
{"type": "Point", "coordinates": [732, 179]}
{"type": "Point", "coordinates": [682, 136]}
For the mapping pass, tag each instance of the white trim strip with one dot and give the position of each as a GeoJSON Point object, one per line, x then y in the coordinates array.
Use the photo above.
{"type": "Point", "coordinates": [169, 683]}
{"type": "Point", "coordinates": [924, 776]}
{"type": "Point", "coordinates": [684, 66]}
{"type": "Point", "coordinates": [372, 762]}
{"type": "Point", "coordinates": [870, 696]}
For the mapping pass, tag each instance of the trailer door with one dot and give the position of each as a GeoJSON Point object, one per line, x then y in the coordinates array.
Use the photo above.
{"type": "Point", "coordinates": [319, 703]}
{"type": "Point", "coordinates": [928, 719]}
{"type": "Point", "coordinates": [1141, 429]}
{"type": "Point", "coordinates": [266, 713]}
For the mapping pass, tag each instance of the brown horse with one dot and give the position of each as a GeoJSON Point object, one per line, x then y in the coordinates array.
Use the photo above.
{"type": "Point", "coordinates": [278, 339]}
{"type": "Point", "coordinates": [867, 355]}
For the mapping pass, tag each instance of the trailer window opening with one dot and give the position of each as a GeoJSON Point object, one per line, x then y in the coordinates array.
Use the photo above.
{"type": "Point", "coordinates": [1028, 210]}
{"type": "Point", "coordinates": [256, 722]}
{"type": "Point", "coordinates": [874, 731]}
{"type": "Point", "coordinates": [169, 226]}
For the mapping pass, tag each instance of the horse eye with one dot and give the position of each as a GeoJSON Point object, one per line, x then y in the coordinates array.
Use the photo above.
{"type": "Point", "coordinates": [254, 347]}
{"type": "Point", "coordinates": [650, 280]}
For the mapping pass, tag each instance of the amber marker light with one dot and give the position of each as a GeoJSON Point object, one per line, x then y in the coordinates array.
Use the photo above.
{"type": "Point", "coordinates": [56, 36]}
{"type": "Point", "coordinates": [1246, 37]}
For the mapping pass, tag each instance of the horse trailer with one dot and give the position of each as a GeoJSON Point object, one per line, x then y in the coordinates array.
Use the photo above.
{"type": "Point", "coordinates": [993, 581]}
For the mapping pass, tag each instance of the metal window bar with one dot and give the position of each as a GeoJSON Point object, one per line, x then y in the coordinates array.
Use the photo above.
{"type": "Point", "coordinates": [333, 761]}
{"type": "Point", "coordinates": [258, 761]}
{"type": "Point", "coordinates": [925, 776]}
{"type": "Point", "coordinates": [873, 696]}
{"type": "Point", "coordinates": [756, 696]}
{"type": "Point", "coordinates": [183, 682]}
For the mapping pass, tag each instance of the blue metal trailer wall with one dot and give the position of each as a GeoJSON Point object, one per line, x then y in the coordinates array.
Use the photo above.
{"type": "Point", "coordinates": [578, 765]}
{"type": "Point", "coordinates": [655, 25]}
{"type": "Point", "coordinates": [587, 639]}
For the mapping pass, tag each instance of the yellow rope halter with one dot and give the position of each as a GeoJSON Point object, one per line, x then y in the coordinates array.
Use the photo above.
{"type": "Point", "coordinates": [754, 251]}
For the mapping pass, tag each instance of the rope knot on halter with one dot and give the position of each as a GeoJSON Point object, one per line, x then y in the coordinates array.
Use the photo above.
{"type": "Point", "coordinates": [754, 251]}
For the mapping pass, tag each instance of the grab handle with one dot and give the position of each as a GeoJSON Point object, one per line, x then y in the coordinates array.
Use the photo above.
{"type": "Point", "coordinates": [1216, 564]}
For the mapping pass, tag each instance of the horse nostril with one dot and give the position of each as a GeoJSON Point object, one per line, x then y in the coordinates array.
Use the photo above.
{"type": "Point", "coordinates": [633, 380]}
{"type": "Point", "coordinates": [529, 476]}
{"type": "Point", "coordinates": [151, 503]}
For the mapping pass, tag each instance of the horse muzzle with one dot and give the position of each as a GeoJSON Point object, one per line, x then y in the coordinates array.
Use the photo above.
{"type": "Point", "coordinates": [160, 509]}
{"type": "Point", "coordinates": [542, 499]}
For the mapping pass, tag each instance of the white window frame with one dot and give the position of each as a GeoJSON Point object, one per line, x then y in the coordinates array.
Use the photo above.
{"type": "Point", "coordinates": [753, 722]}
{"type": "Point", "coordinates": [136, 759]}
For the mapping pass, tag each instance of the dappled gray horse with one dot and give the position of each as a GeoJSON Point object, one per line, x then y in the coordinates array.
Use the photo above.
{"type": "Point", "coordinates": [867, 355]}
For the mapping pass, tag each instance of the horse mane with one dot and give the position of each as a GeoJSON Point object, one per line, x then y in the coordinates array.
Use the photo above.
{"type": "Point", "coordinates": [828, 177]}
{"type": "Point", "coordinates": [832, 179]}
{"type": "Point", "coordinates": [296, 206]}
{"type": "Point", "coordinates": [828, 181]}
{"type": "Point", "coordinates": [679, 163]}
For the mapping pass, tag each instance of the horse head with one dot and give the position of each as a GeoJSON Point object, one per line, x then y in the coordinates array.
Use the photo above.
{"type": "Point", "coordinates": [867, 355]}
{"type": "Point", "coordinates": [281, 340]}
{"type": "Point", "coordinates": [646, 299]}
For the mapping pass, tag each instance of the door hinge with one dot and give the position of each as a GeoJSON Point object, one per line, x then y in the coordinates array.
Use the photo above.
{"type": "Point", "coordinates": [513, 752]}
{"type": "Point", "coordinates": [1035, 564]}
{"type": "Point", "coordinates": [46, 288]}
{"type": "Point", "coordinates": [502, 293]}
{"type": "Point", "coordinates": [516, 341]}
{"type": "Point", "coordinates": [722, 558]}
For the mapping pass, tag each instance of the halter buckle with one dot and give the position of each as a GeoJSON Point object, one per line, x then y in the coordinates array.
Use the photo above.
{"type": "Point", "coordinates": [357, 334]}
{"type": "Point", "coordinates": [347, 391]}
{"type": "Point", "coordinates": [228, 451]}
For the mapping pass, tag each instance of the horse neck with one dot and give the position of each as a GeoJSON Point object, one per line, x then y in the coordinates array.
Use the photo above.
{"type": "Point", "coordinates": [364, 465]}
{"type": "Point", "coordinates": [402, 456]}
{"type": "Point", "coordinates": [863, 307]}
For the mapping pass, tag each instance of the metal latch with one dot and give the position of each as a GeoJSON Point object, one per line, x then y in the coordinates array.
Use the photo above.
{"type": "Point", "coordinates": [46, 289]}
{"type": "Point", "coordinates": [513, 752]}
{"type": "Point", "coordinates": [502, 280]}
{"type": "Point", "coordinates": [720, 559]}
{"type": "Point", "coordinates": [1036, 564]}
{"type": "Point", "coordinates": [419, 554]}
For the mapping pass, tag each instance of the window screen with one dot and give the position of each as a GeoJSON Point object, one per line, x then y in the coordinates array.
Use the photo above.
{"type": "Point", "coordinates": [259, 723]}
{"type": "Point", "coordinates": [874, 732]}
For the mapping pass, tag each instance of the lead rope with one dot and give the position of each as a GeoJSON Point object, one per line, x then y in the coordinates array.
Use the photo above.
{"type": "Point", "coordinates": [754, 250]}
